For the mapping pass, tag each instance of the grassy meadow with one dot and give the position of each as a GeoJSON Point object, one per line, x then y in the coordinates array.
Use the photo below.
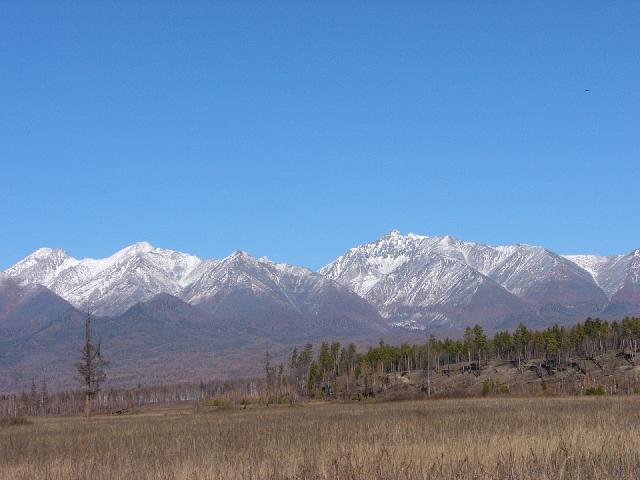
{"type": "Point", "coordinates": [487, 438]}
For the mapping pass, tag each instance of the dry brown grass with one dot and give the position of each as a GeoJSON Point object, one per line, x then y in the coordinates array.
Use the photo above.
{"type": "Point", "coordinates": [13, 421]}
{"type": "Point", "coordinates": [586, 438]}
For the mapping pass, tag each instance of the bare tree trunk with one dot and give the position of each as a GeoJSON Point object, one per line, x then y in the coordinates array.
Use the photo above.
{"type": "Point", "coordinates": [87, 405]}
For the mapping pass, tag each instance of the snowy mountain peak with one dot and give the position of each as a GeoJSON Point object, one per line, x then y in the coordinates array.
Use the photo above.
{"type": "Point", "coordinates": [56, 255]}
{"type": "Point", "coordinates": [42, 265]}
{"type": "Point", "coordinates": [46, 251]}
{"type": "Point", "coordinates": [134, 249]}
{"type": "Point", "coordinates": [448, 240]}
{"type": "Point", "coordinates": [141, 271]}
{"type": "Point", "coordinates": [403, 274]}
{"type": "Point", "coordinates": [393, 234]}
{"type": "Point", "coordinates": [240, 255]}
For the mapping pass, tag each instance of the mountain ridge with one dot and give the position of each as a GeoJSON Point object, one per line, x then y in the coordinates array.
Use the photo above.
{"type": "Point", "coordinates": [166, 315]}
{"type": "Point", "coordinates": [406, 277]}
{"type": "Point", "coordinates": [557, 288]}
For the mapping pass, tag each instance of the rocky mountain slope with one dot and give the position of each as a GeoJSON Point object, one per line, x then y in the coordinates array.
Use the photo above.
{"type": "Point", "coordinates": [401, 274]}
{"type": "Point", "coordinates": [256, 293]}
{"type": "Point", "coordinates": [619, 278]}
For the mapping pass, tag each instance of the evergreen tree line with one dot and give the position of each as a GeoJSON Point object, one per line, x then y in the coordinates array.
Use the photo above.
{"type": "Point", "coordinates": [339, 370]}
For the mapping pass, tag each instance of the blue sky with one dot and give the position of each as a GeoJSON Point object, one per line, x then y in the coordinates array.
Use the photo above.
{"type": "Point", "coordinates": [297, 130]}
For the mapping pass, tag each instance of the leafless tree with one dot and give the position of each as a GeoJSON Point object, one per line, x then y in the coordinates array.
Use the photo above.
{"type": "Point", "coordinates": [44, 397]}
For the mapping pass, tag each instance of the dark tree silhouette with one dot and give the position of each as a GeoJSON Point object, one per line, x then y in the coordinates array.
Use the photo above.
{"type": "Point", "coordinates": [91, 368]}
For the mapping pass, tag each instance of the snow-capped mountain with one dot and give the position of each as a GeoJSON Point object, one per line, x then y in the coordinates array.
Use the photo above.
{"type": "Point", "coordinates": [610, 272]}
{"type": "Point", "coordinates": [412, 280]}
{"type": "Point", "coordinates": [414, 284]}
{"type": "Point", "coordinates": [401, 274]}
{"type": "Point", "coordinates": [238, 288]}
{"type": "Point", "coordinates": [618, 276]}
{"type": "Point", "coordinates": [166, 315]}
{"type": "Point", "coordinates": [110, 285]}
{"type": "Point", "coordinates": [544, 279]}
{"type": "Point", "coordinates": [244, 289]}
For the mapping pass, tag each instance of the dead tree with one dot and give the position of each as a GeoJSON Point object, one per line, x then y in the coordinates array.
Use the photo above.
{"type": "Point", "coordinates": [33, 407]}
{"type": "Point", "coordinates": [91, 373]}
{"type": "Point", "coordinates": [44, 397]}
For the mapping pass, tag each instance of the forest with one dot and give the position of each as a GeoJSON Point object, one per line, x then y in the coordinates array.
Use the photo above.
{"type": "Point", "coordinates": [341, 371]}
{"type": "Point", "coordinates": [336, 371]}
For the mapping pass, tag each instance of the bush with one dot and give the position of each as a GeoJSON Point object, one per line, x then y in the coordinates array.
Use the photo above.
{"type": "Point", "coordinates": [599, 390]}
{"type": "Point", "coordinates": [491, 386]}
{"type": "Point", "coordinates": [487, 386]}
{"type": "Point", "coordinates": [215, 402]}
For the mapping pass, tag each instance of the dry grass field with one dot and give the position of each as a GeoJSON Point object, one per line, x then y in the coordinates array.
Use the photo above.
{"type": "Point", "coordinates": [493, 438]}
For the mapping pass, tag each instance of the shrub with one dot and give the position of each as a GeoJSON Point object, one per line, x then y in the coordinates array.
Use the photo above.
{"type": "Point", "coordinates": [504, 388]}
{"type": "Point", "coordinates": [491, 386]}
{"type": "Point", "coordinates": [599, 390]}
{"type": "Point", "coordinates": [487, 386]}
{"type": "Point", "coordinates": [215, 402]}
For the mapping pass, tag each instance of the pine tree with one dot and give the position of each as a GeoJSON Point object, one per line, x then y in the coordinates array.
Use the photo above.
{"type": "Point", "coordinates": [479, 341]}
{"type": "Point", "coordinates": [324, 359]}
{"type": "Point", "coordinates": [312, 378]}
{"type": "Point", "coordinates": [91, 367]}
{"type": "Point", "coordinates": [269, 375]}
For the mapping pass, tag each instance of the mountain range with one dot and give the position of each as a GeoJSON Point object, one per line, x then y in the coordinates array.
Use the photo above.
{"type": "Point", "coordinates": [445, 283]}
{"type": "Point", "coordinates": [165, 315]}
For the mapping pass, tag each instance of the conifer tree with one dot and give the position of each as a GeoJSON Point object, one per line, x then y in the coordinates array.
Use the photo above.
{"type": "Point", "coordinates": [269, 375]}
{"type": "Point", "coordinates": [91, 367]}
{"type": "Point", "coordinates": [34, 397]}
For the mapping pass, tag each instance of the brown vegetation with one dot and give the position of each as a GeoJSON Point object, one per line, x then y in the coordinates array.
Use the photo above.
{"type": "Point", "coordinates": [491, 438]}
{"type": "Point", "coordinates": [12, 421]}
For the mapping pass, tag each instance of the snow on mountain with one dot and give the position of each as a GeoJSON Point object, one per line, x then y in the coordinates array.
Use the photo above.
{"type": "Point", "coordinates": [42, 266]}
{"type": "Point", "coordinates": [609, 272]}
{"type": "Point", "coordinates": [413, 280]}
{"type": "Point", "coordinates": [419, 281]}
{"type": "Point", "coordinates": [109, 285]}
{"type": "Point", "coordinates": [530, 272]}
{"type": "Point", "coordinates": [414, 271]}
{"type": "Point", "coordinates": [623, 278]}
{"type": "Point", "coordinates": [238, 287]}
{"type": "Point", "coordinates": [243, 289]}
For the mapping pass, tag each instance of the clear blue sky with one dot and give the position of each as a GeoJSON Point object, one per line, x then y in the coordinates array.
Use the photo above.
{"type": "Point", "coordinates": [297, 130]}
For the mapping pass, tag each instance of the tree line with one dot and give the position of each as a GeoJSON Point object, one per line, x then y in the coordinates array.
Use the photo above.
{"type": "Point", "coordinates": [333, 370]}
{"type": "Point", "coordinates": [342, 371]}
